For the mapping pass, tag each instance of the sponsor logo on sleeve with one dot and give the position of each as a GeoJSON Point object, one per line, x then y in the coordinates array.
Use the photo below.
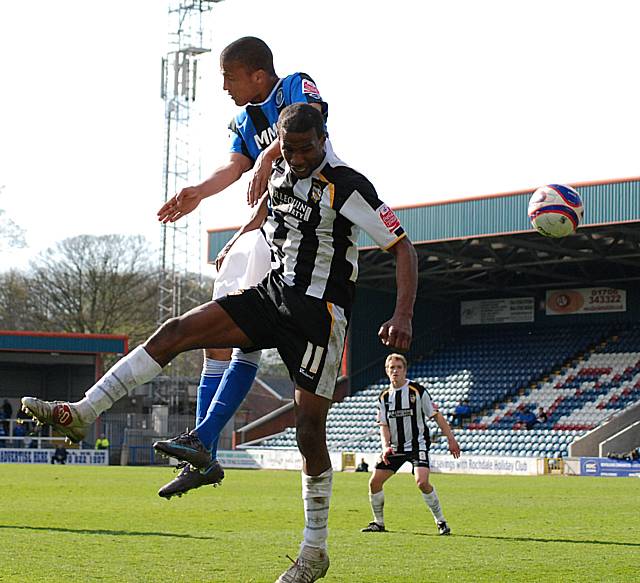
{"type": "Point", "coordinates": [389, 218]}
{"type": "Point", "coordinates": [309, 88]}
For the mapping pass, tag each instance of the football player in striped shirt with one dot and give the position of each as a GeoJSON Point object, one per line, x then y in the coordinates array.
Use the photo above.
{"type": "Point", "coordinates": [251, 81]}
{"type": "Point", "coordinates": [403, 411]}
{"type": "Point", "coordinates": [316, 208]}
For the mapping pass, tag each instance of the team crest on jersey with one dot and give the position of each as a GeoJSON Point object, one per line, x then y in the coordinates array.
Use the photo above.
{"type": "Point", "coordinates": [280, 97]}
{"type": "Point", "coordinates": [309, 88]}
{"type": "Point", "coordinates": [389, 218]}
{"type": "Point", "coordinates": [317, 188]}
{"type": "Point", "coordinates": [412, 397]}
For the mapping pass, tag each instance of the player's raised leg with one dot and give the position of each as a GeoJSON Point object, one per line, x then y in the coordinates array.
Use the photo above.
{"type": "Point", "coordinates": [190, 478]}
{"type": "Point", "coordinates": [199, 447]}
{"type": "Point", "coordinates": [244, 266]}
{"type": "Point", "coordinates": [216, 362]}
{"type": "Point", "coordinates": [207, 325]}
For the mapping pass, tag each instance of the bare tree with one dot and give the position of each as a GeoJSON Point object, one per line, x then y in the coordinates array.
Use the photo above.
{"type": "Point", "coordinates": [93, 284]}
{"type": "Point", "coordinates": [17, 311]}
{"type": "Point", "coordinates": [11, 234]}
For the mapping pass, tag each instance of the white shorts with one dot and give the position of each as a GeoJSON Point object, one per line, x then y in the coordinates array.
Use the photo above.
{"type": "Point", "coordinates": [246, 264]}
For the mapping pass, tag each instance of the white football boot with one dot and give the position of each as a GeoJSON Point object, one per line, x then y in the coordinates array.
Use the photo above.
{"type": "Point", "coordinates": [312, 564]}
{"type": "Point", "coordinates": [61, 415]}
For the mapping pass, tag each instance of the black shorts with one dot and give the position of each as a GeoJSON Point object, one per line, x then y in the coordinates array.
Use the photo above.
{"type": "Point", "coordinates": [308, 332]}
{"type": "Point", "coordinates": [418, 459]}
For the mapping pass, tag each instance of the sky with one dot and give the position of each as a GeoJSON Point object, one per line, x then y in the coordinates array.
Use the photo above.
{"type": "Point", "coordinates": [431, 100]}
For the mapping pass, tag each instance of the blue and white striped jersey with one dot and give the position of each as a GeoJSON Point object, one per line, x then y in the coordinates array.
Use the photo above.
{"type": "Point", "coordinates": [254, 128]}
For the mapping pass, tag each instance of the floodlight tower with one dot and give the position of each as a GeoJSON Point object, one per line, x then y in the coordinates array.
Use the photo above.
{"type": "Point", "coordinates": [180, 246]}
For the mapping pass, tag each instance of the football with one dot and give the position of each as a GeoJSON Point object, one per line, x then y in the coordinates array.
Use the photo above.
{"type": "Point", "coordinates": [555, 210]}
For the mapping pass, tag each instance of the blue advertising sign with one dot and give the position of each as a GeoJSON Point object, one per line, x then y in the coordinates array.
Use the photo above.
{"type": "Point", "coordinates": [604, 466]}
{"type": "Point", "coordinates": [84, 457]}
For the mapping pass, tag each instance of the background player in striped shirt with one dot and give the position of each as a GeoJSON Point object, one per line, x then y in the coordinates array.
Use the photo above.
{"type": "Point", "coordinates": [403, 411]}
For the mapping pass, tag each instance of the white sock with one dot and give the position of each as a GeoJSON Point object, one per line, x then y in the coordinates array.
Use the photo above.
{"type": "Point", "coordinates": [377, 506]}
{"type": "Point", "coordinates": [212, 367]}
{"type": "Point", "coordinates": [316, 497]}
{"type": "Point", "coordinates": [134, 369]}
{"type": "Point", "coordinates": [248, 357]}
{"type": "Point", "coordinates": [433, 502]}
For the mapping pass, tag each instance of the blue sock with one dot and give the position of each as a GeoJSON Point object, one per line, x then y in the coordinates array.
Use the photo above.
{"type": "Point", "coordinates": [212, 372]}
{"type": "Point", "coordinates": [236, 383]}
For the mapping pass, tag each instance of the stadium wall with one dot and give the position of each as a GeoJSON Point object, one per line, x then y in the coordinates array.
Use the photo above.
{"type": "Point", "coordinates": [290, 459]}
{"type": "Point", "coordinates": [589, 444]}
{"type": "Point", "coordinates": [622, 442]}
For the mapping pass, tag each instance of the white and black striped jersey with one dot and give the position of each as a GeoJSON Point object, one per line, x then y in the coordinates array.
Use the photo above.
{"type": "Point", "coordinates": [406, 411]}
{"type": "Point", "coordinates": [313, 225]}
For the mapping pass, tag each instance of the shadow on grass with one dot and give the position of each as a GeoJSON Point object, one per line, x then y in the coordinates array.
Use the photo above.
{"type": "Point", "coordinates": [105, 532]}
{"type": "Point", "coordinates": [528, 539]}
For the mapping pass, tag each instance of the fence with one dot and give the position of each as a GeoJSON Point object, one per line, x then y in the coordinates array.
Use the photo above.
{"type": "Point", "coordinates": [131, 433]}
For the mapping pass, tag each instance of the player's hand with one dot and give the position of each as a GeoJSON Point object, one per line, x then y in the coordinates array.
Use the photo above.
{"type": "Point", "coordinates": [386, 453]}
{"type": "Point", "coordinates": [180, 205]}
{"type": "Point", "coordinates": [259, 180]}
{"type": "Point", "coordinates": [396, 333]}
{"type": "Point", "coordinates": [454, 448]}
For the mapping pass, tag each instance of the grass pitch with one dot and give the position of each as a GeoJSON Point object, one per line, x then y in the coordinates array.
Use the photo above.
{"type": "Point", "coordinates": [71, 523]}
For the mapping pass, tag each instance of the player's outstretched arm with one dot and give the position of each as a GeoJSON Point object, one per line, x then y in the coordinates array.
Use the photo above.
{"type": "Point", "coordinates": [189, 198]}
{"type": "Point", "coordinates": [396, 333]}
{"type": "Point", "coordinates": [454, 448]}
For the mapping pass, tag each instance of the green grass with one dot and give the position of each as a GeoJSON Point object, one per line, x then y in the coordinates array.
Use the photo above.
{"type": "Point", "coordinates": [107, 524]}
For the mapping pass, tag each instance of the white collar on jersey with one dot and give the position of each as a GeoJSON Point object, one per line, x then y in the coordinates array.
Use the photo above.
{"type": "Point", "coordinates": [329, 158]}
{"type": "Point", "coordinates": [406, 384]}
{"type": "Point", "coordinates": [275, 88]}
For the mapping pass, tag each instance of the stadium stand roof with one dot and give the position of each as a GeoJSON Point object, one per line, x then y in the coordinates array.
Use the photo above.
{"type": "Point", "coordinates": [485, 244]}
